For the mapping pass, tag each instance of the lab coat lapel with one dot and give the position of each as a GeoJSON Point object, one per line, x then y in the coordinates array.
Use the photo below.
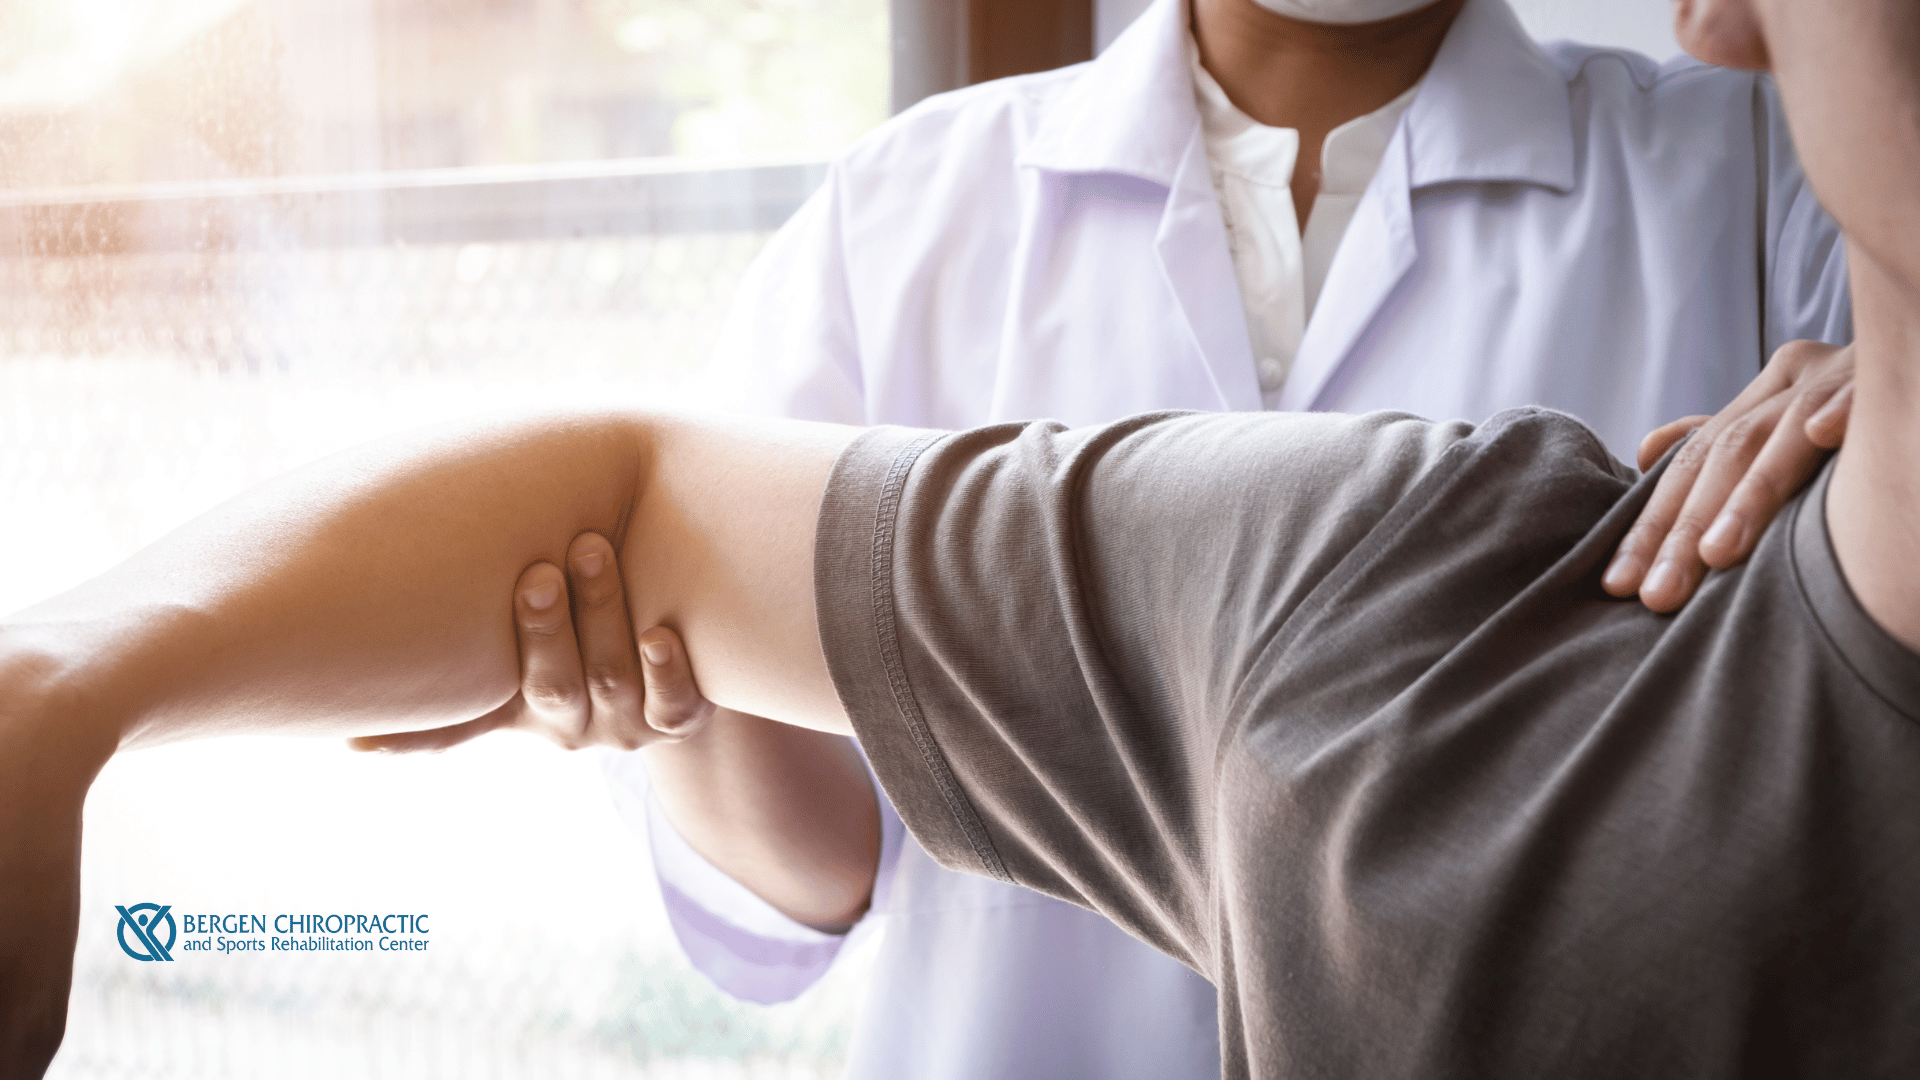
{"type": "Point", "coordinates": [1198, 266]}
{"type": "Point", "coordinates": [1492, 108]}
{"type": "Point", "coordinates": [1133, 112]}
{"type": "Point", "coordinates": [1375, 254]}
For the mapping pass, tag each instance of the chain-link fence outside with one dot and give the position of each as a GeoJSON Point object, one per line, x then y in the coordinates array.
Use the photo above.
{"type": "Point", "coordinates": [140, 387]}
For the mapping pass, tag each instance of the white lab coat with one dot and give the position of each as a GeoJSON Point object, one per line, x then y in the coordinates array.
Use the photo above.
{"type": "Point", "coordinates": [1559, 225]}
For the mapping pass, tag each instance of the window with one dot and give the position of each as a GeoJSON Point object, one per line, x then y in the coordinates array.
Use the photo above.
{"type": "Point", "coordinates": [235, 236]}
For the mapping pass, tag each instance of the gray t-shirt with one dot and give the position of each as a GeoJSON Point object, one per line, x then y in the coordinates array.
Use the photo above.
{"type": "Point", "coordinates": [1334, 710]}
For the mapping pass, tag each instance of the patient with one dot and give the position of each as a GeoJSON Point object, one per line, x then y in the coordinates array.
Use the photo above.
{"type": "Point", "coordinates": [1333, 709]}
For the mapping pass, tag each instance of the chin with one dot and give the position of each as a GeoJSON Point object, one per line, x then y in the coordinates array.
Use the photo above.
{"type": "Point", "coordinates": [1725, 33]}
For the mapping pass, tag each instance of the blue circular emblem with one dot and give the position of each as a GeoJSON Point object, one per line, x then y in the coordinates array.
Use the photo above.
{"type": "Point", "coordinates": [144, 920]}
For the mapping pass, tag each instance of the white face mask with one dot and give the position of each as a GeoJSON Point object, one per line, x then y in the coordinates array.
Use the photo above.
{"type": "Point", "coordinates": [1342, 11]}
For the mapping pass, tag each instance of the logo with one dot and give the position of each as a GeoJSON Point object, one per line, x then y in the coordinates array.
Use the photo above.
{"type": "Point", "coordinates": [144, 920]}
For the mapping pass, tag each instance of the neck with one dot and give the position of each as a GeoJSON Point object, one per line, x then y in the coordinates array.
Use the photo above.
{"type": "Point", "coordinates": [1313, 77]}
{"type": "Point", "coordinates": [1873, 510]}
{"type": "Point", "coordinates": [1288, 73]}
{"type": "Point", "coordinates": [1849, 75]}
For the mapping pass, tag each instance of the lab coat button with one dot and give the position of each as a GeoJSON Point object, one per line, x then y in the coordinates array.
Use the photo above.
{"type": "Point", "coordinates": [1273, 372]}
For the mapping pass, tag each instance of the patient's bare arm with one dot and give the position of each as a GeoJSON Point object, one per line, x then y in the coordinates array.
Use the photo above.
{"type": "Point", "coordinates": [350, 598]}
{"type": "Point", "coordinates": [361, 596]}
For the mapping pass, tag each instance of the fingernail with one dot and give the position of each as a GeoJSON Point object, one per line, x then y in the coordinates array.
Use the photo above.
{"type": "Point", "coordinates": [1620, 575]}
{"type": "Point", "coordinates": [1615, 578]}
{"type": "Point", "coordinates": [1725, 533]}
{"type": "Point", "coordinates": [656, 653]}
{"type": "Point", "coordinates": [541, 597]}
{"type": "Point", "coordinates": [590, 563]}
{"type": "Point", "coordinates": [1662, 577]}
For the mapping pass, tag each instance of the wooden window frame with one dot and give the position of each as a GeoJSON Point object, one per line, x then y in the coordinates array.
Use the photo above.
{"type": "Point", "coordinates": [941, 45]}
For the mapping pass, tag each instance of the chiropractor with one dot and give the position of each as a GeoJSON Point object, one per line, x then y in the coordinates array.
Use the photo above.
{"type": "Point", "coordinates": [1345, 204]}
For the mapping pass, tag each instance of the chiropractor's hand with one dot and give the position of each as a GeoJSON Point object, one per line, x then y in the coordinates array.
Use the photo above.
{"type": "Point", "coordinates": [581, 677]}
{"type": "Point", "coordinates": [1734, 475]}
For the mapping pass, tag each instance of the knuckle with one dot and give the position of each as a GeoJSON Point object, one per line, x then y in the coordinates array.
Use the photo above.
{"type": "Point", "coordinates": [1804, 403]}
{"type": "Point", "coordinates": [1640, 538]}
{"type": "Point", "coordinates": [1687, 530]}
{"type": "Point", "coordinates": [1763, 488]}
{"type": "Point", "coordinates": [597, 594]}
{"type": "Point", "coordinates": [1817, 392]}
{"type": "Point", "coordinates": [1693, 453]}
{"type": "Point", "coordinates": [551, 697]}
{"type": "Point", "coordinates": [545, 625]}
{"type": "Point", "coordinates": [609, 681]}
{"type": "Point", "coordinates": [633, 736]}
{"type": "Point", "coordinates": [678, 712]}
{"type": "Point", "coordinates": [1794, 355]}
{"type": "Point", "coordinates": [1747, 434]}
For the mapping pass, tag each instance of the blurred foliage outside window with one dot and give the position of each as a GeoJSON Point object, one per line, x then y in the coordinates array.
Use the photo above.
{"type": "Point", "coordinates": [117, 92]}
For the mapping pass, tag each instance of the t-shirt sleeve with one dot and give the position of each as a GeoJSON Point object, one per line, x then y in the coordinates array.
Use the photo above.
{"type": "Point", "coordinates": [1040, 633]}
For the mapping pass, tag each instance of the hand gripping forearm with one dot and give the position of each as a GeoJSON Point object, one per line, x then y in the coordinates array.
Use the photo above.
{"type": "Point", "coordinates": [360, 595]}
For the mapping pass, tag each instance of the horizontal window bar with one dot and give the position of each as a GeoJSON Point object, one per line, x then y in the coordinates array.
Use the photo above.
{"type": "Point", "coordinates": [610, 198]}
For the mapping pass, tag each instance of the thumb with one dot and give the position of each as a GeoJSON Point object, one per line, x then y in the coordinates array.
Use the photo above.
{"type": "Point", "coordinates": [674, 704]}
{"type": "Point", "coordinates": [433, 740]}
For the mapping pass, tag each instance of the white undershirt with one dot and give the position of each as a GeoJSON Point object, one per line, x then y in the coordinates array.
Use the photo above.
{"type": "Point", "coordinates": [1280, 272]}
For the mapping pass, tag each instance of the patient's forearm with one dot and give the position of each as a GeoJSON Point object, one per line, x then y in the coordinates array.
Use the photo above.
{"type": "Point", "coordinates": [361, 594]}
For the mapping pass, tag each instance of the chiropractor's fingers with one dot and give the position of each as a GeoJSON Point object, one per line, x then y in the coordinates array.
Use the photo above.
{"type": "Point", "coordinates": [1723, 457]}
{"type": "Point", "coordinates": [581, 680]}
{"type": "Point", "coordinates": [555, 701]}
{"type": "Point", "coordinates": [433, 740]}
{"type": "Point", "coordinates": [1814, 421]}
{"type": "Point", "coordinates": [630, 703]}
{"type": "Point", "coordinates": [1827, 427]}
{"type": "Point", "coordinates": [1637, 548]}
{"type": "Point", "coordinates": [674, 702]}
{"type": "Point", "coordinates": [1733, 476]}
{"type": "Point", "coordinates": [608, 664]}
{"type": "Point", "coordinates": [1654, 530]}
{"type": "Point", "coordinates": [553, 697]}
{"type": "Point", "coordinates": [1661, 439]}
{"type": "Point", "coordinates": [1641, 548]}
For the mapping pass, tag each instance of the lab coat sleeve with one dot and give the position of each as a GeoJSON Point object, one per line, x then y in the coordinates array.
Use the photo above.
{"type": "Point", "coordinates": [789, 346]}
{"type": "Point", "coordinates": [1805, 265]}
{"type": "Point", "coordinates": [741, 943]}
{"type": "Point", "coordinates": [788, 349]}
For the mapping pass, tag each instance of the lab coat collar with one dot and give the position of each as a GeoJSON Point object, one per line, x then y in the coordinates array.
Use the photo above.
{"type": "Point", "coordinates": [1132, 111]}
{"type": "Point", "coordinates": [1492, 107]}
